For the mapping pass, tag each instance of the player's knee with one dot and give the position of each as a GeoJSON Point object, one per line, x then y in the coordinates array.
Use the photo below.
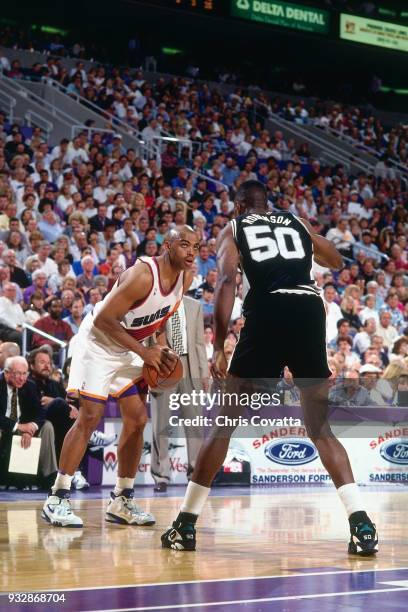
{"type": "Point", "coordinates": [136, 423]}
{"type": "Point", "coordinates": [88, 419]}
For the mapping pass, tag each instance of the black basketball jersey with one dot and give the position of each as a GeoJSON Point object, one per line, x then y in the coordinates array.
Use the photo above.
{"type": "Point", "coordinates": [276, 253]}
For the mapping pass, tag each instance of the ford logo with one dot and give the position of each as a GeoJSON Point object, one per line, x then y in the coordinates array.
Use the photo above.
{"type": "Point", "coordinates": [292, 451]}
{"type": "Point", "coordinates": [395, 451]}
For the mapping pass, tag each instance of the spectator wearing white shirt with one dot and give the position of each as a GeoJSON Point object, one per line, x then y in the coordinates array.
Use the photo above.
{"type": "Point", "coordinates": [333, 312]}
{"type": "Point", "coordinates": [387, 331]}
{"type": "Point", "coordinates": [11, 315]}
{"type": "Point", "coordinates": [47, 264]}
{"type": "Point", "coordinates": [341, 237]}
{"type": "Point", "coordinates": [362, 340]}
{"type": "Point", "coordinates": [369, 311]}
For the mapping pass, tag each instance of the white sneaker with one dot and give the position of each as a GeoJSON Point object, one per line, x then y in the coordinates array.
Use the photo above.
{"type": "Point", "coordinates": [124, 510]}
{"type": "Point", "coordinates": [99, 439]}
{"type": "Point", "coordinates": [79, 481]}
{"type": "Point", "coordinates": [57, 511]}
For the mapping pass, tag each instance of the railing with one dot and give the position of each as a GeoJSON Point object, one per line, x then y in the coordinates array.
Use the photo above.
{"type": "Point", "coordinates": [76, 129]}
{"type": "Point", "coordinates": [7, 104]}
{"type": "Point", "coordinates": [63, 345]}
{"type": "Point", "coordinates": [33, 118]}
{"type": "Point", "coordinates": [207, 178]}
{"type": "Point", "coordinates": [331, 151]}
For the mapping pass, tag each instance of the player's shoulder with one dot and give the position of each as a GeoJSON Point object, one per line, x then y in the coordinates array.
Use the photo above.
{"type": "Point", "coordinates": [142, 271]}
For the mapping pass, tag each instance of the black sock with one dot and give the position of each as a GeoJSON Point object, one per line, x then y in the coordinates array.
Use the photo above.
{"type": "Point", "coordinates": [186, 517]}
{"type": "Point", "coordinates": [358, 517]}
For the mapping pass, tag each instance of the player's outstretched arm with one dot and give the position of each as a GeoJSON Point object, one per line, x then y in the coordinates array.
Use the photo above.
{"type": "Point", "coordinates": [227, 264]}
{"type": "Point", "coordinates": [135, 285]}
{"type": "Point", "coordinates": [325, 253]}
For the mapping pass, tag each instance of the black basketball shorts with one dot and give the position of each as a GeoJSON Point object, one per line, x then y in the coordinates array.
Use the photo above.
{"type": "Point", "coordinates": [283, 329]}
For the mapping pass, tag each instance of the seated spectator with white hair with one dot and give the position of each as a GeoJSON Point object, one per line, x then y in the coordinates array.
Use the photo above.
{"type": "Point", "coordinates": [86, 280]}
{"type": "Point", "coordinates": [39, 282]}
{"type": "Point", "coordinates": [21, 414]}
{"type": "Point", "coordinates": [11, 315]}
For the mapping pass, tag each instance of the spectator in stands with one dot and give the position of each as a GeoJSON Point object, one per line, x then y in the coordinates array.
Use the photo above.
{"type": "Point", "coordinates": [8, 349]}
{"type": "Point", "coordinates": [341, 237]}
{"type": "Point", "coordinates": [36, 308]}
{"type": "Point", "coordinates": [204, 261]}
{"type": "Point", "coordinates": [392, 306]}
{"type": "Point", "coordinates": [349, 392]}
{"type": "Point", "coordinates": [333, 312]}
{"type": "Point", "coordinates": [76, 317]}
{"type": "Point", "coordinates": [207, 302]}
{"type": "Point", "coordinates": [362, 340]}
{"type": "Point", "coordinates": [369, 377]}
{"type": "Point", "coordinates": [39, 282]}
{"type": "Point", "coordinates": [94, 296]}
{"type": "Point", "coordinates": [17, 274]}
{"type": "Point", "coordinates": [387, 331]}
{"type": "Point", "coordinates": [53, 325]}
{"type": "Point", "coordinates": [11, 315]}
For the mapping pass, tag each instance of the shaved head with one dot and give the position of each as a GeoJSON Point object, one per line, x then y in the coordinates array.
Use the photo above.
{"type": "Point", "coordinates": [178, 233]}
{"type": "Point", "coordinates": [251, 195]}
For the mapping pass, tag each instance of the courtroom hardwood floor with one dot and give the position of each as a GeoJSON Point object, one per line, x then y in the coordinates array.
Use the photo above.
{"type": "Point", "coordinates": [270, 533]}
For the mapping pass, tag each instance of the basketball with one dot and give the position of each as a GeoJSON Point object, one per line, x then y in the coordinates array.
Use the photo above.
{"type": "Point", "coordinates": [159, 382]}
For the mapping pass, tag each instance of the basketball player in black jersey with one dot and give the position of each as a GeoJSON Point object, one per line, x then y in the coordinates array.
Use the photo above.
{"type": "Point", "coordinates": [285, 325]}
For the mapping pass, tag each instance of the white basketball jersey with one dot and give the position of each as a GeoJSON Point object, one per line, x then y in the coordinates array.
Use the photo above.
{"type": "Point", "coordinates": [147, 315]}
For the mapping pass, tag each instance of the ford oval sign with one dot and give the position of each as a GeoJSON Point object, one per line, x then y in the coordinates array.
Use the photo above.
{"type": "Point", "coordinates": [292, 451]}
{"type": "Point", "coordinates": [395, 451]}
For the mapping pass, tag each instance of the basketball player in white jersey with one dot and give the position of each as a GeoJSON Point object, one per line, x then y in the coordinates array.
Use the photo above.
{"type": "Point", "coordinates": [108, 360]}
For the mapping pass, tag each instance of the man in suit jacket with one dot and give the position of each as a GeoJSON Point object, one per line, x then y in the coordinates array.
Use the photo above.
{"type": "Point", "coordinates": [185, 335]}
{"type": "Point", "coordinates": [21, 414]}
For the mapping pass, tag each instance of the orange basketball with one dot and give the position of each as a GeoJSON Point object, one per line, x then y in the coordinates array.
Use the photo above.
{"type": "Point", "coordinates": [158, 382]}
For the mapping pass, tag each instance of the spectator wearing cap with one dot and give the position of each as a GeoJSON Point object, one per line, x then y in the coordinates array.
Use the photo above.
{"type": "Point", "coordinates": [53, 325]}
{"type": "Point", "coordinates": [11, 315]}
{"type": "Point", "coordinates": [369, 378]}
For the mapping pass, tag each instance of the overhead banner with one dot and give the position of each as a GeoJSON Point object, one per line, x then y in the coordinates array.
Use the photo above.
{"type": "Point", "coordinates": [374, 32]}
{"type": "Point", "coordinates": [284, 14]}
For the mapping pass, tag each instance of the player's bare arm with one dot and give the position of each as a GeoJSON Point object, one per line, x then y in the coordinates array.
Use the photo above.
{"type": "Point", "coordinates": [325, 253]}
{"type": "Point", "coordinates": [135, 285]}
{"type": "Point", "coordinates": [227, 264]}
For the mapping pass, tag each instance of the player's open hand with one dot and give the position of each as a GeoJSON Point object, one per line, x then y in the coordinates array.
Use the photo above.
{"type": "Point", "coordinates": [219, 365]}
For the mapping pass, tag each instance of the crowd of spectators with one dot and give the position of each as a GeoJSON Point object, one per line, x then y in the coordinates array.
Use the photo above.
{"type": "Point", "coordinates": [74, 214]}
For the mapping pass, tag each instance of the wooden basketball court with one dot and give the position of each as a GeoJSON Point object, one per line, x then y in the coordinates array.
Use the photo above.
{"type": "Point", "coordinates": [258, 549]}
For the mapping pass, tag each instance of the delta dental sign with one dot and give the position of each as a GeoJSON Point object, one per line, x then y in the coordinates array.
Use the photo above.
{"type": "Point", "coordinates": [282, 14]}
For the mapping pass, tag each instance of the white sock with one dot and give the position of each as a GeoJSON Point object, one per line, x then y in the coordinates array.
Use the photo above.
{"type": "Point", "coordinates": [123, 483]}
{"type": "Point", "coordinates": [62, 481]}
{"type": "Point", "coordinates": [351, 497]}
{"type": "Point", "coordinates": [195, 498]}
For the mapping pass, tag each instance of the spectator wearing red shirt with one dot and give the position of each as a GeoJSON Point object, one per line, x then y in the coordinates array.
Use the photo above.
{"type": "Point", "coordinates": [54, 325]}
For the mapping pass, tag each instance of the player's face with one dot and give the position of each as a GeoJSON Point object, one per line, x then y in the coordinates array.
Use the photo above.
{"type": "Point", "coordinates": [184, 251]}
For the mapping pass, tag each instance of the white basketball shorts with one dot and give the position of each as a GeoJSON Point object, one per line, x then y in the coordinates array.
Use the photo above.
{"type": "Point", "coordinates": [100, 367]}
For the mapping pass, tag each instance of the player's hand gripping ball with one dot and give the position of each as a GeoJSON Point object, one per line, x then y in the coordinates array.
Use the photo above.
{"type": "Point", "coordinates": [158, 381]}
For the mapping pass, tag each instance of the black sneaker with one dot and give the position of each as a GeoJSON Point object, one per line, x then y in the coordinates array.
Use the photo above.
{"type": "Point", "coordinates": [181, 536]}
{"type": "Point", "coordinates": [364, 539]}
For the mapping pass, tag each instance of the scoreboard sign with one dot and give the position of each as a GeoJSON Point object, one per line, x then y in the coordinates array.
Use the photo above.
{"type": "Point", "coordinates": [374, 32]}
